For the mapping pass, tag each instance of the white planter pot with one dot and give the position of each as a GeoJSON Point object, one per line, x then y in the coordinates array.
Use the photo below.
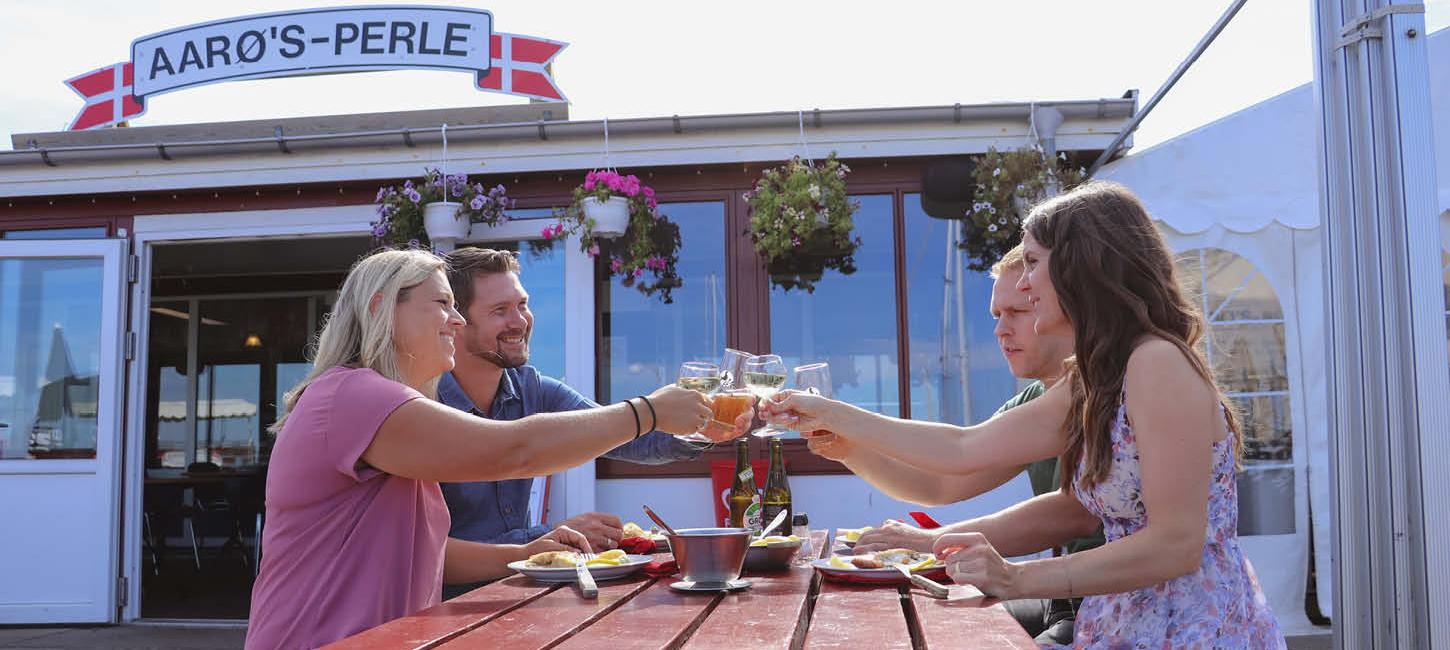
{"type": "Point", "coordinates": [611, 217]}
{"type": "Point", "coordinates": [442, 224]}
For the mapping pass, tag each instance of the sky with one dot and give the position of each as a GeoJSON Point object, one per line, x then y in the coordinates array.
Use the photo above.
{"type": "Point", "coordinates": [656, 58]}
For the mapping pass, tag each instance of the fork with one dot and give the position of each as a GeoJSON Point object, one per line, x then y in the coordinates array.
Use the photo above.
{"type": "Point", "coordinates": [932, 587]}
{"type": "Point", "coordinates": [587, 588]}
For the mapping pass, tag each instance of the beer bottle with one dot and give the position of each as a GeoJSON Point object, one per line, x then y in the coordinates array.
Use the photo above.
{"type": "Point", "coordinates": [744, 498]}
{"type": "Point", "coordinates": [777, 489]}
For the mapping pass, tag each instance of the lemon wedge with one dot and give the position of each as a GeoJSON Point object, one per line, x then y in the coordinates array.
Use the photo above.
{"type": "Point", "coordinates": [614, 554]}
{"type": "Point", "coordinates": [922, 564]}
{"type": "Point", "coordinates": [837, 563]}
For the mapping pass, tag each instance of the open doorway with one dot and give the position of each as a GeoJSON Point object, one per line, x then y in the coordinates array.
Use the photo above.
{"type": "Point", "coordinates": [230, 325]}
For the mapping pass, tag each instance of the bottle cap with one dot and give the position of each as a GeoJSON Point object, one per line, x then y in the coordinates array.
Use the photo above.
{"type": "Point", "coordinates": [799, 519]}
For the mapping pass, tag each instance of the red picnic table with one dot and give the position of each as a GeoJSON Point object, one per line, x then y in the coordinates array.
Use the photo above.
{"type": "Point", "coordinates": [785, 609]}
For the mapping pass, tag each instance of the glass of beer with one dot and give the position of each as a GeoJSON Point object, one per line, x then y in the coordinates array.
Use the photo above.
{"type": "Point", "coordinates": [733, 398]}
{"type": "Point", "coordinates": [703, 378]}
{"type": "Point", "coordinates": [814, 378]}
{"type": "Point", "coordinates": [764, 375]}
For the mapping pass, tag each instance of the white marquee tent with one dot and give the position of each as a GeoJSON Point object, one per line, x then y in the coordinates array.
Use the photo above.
{"type": "Point", "coordinates": [1238, 198]}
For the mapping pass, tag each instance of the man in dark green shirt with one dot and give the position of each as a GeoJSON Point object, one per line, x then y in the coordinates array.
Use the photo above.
{"type": "Point", "coordinates": [1030, 356]}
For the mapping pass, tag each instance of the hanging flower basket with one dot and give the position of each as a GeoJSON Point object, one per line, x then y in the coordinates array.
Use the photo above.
{"type": "Point", "coordinates": [436, 206]}
{"type": "Point", "coordinates": [800, 222]}
{"type": "Point", "coordinates": [617, 220]}
{"type": "Point", "coordinates": [1007, 185]}
{"type": "Point", "coordinates": [611, 215]}
{"type": "Point", "coordinates": [441, 220]}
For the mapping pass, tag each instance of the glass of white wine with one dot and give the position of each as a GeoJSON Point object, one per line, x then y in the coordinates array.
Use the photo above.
{"type": "Point", "coordinates": [814, 378]}
{"type": "Point", "coordinates": [764, 375]}
{"type": "Point", "coordinates": [703, 378]}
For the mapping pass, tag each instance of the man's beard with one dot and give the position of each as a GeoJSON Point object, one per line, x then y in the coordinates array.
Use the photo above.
{"type": "Point", "coordinates": [499, 359]}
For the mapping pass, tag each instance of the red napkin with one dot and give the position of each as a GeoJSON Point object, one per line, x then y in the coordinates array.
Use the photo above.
{"type": "Point", "coordinates": [637, 545]}
{"type": "Point", "coordinates": [661, 568]}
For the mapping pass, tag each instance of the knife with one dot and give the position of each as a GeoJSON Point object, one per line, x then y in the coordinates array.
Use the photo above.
{"type": "Point", "coordinates": [587, 588]}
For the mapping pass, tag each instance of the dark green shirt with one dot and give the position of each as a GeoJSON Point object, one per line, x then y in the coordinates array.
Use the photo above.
{"type": "Point", "coordinates": [1045, 474]}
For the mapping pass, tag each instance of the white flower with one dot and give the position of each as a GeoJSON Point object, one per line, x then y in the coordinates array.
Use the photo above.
{"type": "Point", "coordinates": [815, 192]}
{"type": "Point", "coordinates": [996, 172]}
{"type": "Point", "coordinates": [992, 228]}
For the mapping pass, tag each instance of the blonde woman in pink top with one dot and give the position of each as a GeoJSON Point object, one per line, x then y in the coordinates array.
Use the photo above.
{"type": "Point", "coordinates": [356, 525]}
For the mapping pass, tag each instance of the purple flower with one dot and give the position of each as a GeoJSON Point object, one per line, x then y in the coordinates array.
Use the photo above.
{"type": "Point", "coordinates": [638, 273]}
{"type": "Point", "coordinates": [413, 243]}
{"type": "Point", "coordinates": [382, 193]}
{"type": "Point", "coordinates": [414, 196]}
{"type": "Point", "coordinates": [408, 185]}
{"type": "Point", "coordinates": [476, 203]}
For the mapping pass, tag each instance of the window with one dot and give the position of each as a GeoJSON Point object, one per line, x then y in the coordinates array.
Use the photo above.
{"type": "Point", "coordinates": [1445, 267]}
{"type": "Point", "coordinates": [643, 341]}
{"type": "Point", "coordinates": [50, 334]}
{"type": "Point", "coordinates": [849, 321]}
{"type": "Point", "coordinates": [247, 353]}
{"type": "Point", "coordinates": [958, 374]}
{"type": "Point", "coordinates": [95, 232]}
{"type": "Point", "coordinates": [1245, 344]}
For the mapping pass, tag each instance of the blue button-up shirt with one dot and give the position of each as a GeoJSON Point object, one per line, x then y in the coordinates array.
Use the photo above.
{"type": "Point", "coordinates": [497, 511]}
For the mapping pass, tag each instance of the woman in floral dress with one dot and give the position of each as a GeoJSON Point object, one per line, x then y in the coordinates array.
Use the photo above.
{"type": "Point", "coordinates": [1139, 417]}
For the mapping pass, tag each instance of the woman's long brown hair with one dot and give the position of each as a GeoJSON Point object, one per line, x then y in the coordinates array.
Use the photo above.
{"type": "Point", "coordinates": [1116, 283]}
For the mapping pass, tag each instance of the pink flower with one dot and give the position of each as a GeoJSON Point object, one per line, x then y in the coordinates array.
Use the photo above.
{"type": "Point", "coordinates": [638, 273]}
{"type": "Point", "coordinates": [615, 265]}
{"type": "Point", "coordinates": [594, 250]}
{"type": "Point", "coordinates": [547, 233]}
{"type": "Point", "coordinates": [614, 183]}
{"type": "Point", "coordinates": [630, 185]}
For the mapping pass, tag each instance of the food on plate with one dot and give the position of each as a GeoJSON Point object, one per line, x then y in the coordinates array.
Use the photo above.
{"type": "Point", "coordinates": [912, 560]}
{"type": "Point", "coordinates": [774, 539]}
{"type": "Point", "coordinates": [632, 529]}
{"type": "Point", "coordinates": [567, 559]}
{"type": "Point", "coordinates": [850, 535]}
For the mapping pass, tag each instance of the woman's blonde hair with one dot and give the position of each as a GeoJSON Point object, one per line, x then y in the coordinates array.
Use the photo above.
{"type": "Point", "coordinates": [355, 338]}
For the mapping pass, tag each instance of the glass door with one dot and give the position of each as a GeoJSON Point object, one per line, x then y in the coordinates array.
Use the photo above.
{"type": "Point", "coordinates": [61, 319]}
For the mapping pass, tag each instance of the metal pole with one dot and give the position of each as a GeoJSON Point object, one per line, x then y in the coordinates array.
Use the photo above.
{"type": "Point", "coordinates": [1132, 125]}
{"type": "Point", "coordinates": [1385, 308]}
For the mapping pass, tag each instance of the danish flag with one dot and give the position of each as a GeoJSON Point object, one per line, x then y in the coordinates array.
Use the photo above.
{"type": "Point", "coordinates": [519, 66]}
{"type": "Point", "coordinates": [107, 92]}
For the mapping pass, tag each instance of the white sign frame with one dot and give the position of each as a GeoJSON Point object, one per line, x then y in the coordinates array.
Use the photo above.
{"type": "Point", "coordinates": [312, 41]}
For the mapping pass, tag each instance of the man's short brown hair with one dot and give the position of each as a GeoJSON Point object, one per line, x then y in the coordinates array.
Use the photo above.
{"type": "Point", "coordinates": [465, 264]}
{"type": "Point", "coordinates": [1012, 260]}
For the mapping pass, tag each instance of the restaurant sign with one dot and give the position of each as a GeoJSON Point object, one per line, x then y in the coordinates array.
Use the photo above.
{"type": "Point", "coordinates": [318, 41]}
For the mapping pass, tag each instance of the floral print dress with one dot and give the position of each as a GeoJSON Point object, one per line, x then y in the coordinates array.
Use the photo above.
{"type": "Point", "coordinates": [1219, 606]}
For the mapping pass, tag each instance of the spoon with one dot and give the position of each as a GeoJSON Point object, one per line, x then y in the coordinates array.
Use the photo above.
{"type": "Point", "coordinates": [779, 517]}
{"type": "Point", "coordinates": [661, 522]}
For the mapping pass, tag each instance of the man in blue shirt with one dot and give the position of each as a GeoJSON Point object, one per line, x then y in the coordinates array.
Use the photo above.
{"type": "Point", "coordinates": [491, 379]}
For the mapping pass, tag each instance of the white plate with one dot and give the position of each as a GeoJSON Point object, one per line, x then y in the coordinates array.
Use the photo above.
{"type": "Point", "coordinates": [883, 575]}
{"type": "Point", "coordinates": [631, 564]}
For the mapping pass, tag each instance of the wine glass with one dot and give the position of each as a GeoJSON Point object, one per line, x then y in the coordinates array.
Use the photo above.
{"type": "Point", "coordinates": [764, 375]}
{"type": "Point", "coordinates": [733, 398]}
{"type": "Point", "coordinates": [703, 378]}
{"type": "Point", "coordinates": [814, 378]}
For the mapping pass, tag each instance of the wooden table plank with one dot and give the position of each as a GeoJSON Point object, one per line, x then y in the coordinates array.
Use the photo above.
{"type": "Point", "coordinates": [659, 617]}
{"type": "Point", "coordinates": [855, 616]}
{"type": "Point", "coordinates": [949, 624]}
{"type": "Point", "coordinates": [763, 616]}
{"type": "Point", "coordinates": [432, 626]}
{"type": "Point", "coordinates": [553, 617]}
